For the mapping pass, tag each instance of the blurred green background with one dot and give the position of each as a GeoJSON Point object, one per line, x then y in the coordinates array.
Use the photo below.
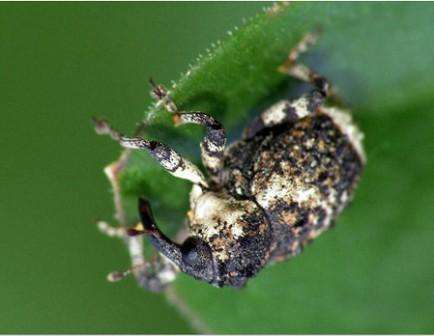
{"type": "Point", "coordinates": [62, 63]}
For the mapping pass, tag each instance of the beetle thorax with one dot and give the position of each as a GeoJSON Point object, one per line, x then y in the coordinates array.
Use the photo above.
{"type": "Point", "coordinates": [219, 219]}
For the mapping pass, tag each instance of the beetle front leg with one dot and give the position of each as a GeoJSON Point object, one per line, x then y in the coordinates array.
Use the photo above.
{"type": "Point", "coordinates": [154, 275]}
{"type": "Point", "coordinates": [214, 142]}
{"type": "Point", "coordinates": [164, 155]}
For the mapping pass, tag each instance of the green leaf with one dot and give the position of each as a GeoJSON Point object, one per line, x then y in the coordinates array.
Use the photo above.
{"type": "Point", "coordinates": [373, 273]}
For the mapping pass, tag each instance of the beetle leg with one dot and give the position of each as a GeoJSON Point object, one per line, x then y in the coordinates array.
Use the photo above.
{"type": "Point", "coordinates": [291, 111]}
{"type": "Point", "coordinates": [214, 142]}
{"type": "Point", "coordinates": [284, 111]}
{"type": "Point", "coordinates": [165, 156]}
{"type": "Point", "coordinates": [111, 231]}
{"type": "Point", "coordinates": [157, 274]}
{"type": "Point", "coordinates": [153, 275]}
{"type": "Point", "coordinates": [301, 71]}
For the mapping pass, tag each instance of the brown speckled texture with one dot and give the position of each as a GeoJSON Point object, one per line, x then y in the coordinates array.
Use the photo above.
{"type": "Point", "coordinates": [267, 196]}
{"type": "Point", "coordinates": [301, 175]}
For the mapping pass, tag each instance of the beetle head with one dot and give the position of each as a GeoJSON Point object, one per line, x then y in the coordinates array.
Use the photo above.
{"type": "Point", "coordinates": [193, 257]}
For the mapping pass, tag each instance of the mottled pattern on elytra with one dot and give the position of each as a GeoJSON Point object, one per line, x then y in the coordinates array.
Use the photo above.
{"type": "Point", "coordinates": [302, 175]}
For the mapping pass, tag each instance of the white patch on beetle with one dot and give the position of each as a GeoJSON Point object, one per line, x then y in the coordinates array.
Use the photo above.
{"type": "Point", "coordinates": [195, 193]}
{"type": "Point", "coordinates": [275, 114]}
{"type": "Point", "coordinates": [213, 162]}
{"type": "Point", "coordinates": [300, 106]}
{"type": "Point", "coordinates": [276, 190]}
{"type": "Point", "coordinates": [212, 209]}
{"type": "Point", "coordinates": [344, 122]}
{"type": "Point", "coordinates": [213, 213]}
{"type": "Point", "coordinates": [279, 187]}
{"type": "Point", "coordinates": [171, 162]}
{"type": "Point", "coordinates": [213, 147]}
{"type": "Point", "coordinates": [189, 172]}
{"type": "Point", "coordinates": [237, 231]}
{"type": "Point", "coordinates": [302, 195]}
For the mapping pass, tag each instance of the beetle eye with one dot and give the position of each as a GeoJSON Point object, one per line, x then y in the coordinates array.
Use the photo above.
{"type": "Point", "coordinates": [191, 256]}
{"type": "Point", "coordinates": [195, 253]}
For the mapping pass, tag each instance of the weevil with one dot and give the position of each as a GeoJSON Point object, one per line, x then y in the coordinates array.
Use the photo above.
{"type": "Point", "coordinates": [266, 196]}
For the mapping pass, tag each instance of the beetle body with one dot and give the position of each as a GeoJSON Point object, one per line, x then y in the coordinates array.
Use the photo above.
{"type": "Point", "coordinates": [266, 196]}
{"type": "Point", "coordinates": [277, 192]}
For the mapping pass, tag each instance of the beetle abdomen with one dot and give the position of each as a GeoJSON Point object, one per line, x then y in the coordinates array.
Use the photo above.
{"type": "Point", "coordinates": [303, 178]}
{"type": "Point", "coordinates": [302, 175]}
